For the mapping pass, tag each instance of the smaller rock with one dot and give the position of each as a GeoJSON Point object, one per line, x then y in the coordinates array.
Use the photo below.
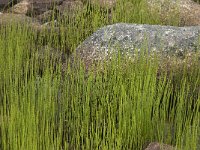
{"type": "Point", "coordinates": [20, 8]}
{"type": "Point", "coordinates": [104, 3]}
{"type": "Point", "coordinates": [190, 13]}
{"type": "Point", "coordinates": [38, 7]}
{"type": "Point", "coordinates": [54, 54]}
{"type": "Point", "coordinates": [6, 4]}
{"type": "Point", "coordinates": [70, 7]}
{"type": "Point", "coordinates": [158, 146]}
{"type": "Point", "coordinates": [186, 10]}
{"type": "Point", "coordinates": [45, 17]}
{"type": "Point", "coordinates": [3, 3]}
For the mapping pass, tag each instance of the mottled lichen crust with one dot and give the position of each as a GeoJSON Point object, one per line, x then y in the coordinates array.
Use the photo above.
{"type": "Point", "coordinates": [127, 38]}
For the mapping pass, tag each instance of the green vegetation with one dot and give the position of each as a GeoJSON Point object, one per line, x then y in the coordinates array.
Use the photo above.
{"type": "Point", "coordinates": [198, 1]}
{"type": "Point", "coordinates": [124, 106]}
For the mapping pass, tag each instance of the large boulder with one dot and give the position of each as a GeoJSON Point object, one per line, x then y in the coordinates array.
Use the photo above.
{"type": "Point", "coordinates": [186, 10]}
{"type": "Point", "coordinates": [126, 38]}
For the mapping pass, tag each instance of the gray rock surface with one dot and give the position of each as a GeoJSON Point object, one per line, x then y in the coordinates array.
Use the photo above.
{"type": "Point", "coordinates": [126, 38]}
{"type": "Point", "coordinates": [159, 146]}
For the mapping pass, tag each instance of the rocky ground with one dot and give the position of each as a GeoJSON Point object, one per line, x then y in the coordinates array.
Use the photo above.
{"type": "Point", "coordinates": [187, 10]}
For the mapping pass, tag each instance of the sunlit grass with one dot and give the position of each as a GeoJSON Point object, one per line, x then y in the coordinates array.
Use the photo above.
{"type": "Point", "coordinates": [125, 105]}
